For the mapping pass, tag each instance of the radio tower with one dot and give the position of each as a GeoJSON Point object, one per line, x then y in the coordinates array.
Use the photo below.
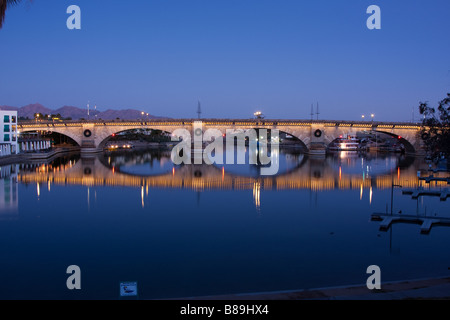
{"type": "Point", "coordinates": [312, 111]}
{"type": "Point", "coordinates": [88, 110]}
{"type": "Point", "coordinates": [199, 110]}
{"type": "Point", "coordinates": [317, 112]}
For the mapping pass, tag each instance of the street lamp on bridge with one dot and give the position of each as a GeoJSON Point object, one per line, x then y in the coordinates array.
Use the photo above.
{"type": "Point", "coordinates": [258, 115]}
{"type": "Point", "coordinates": [376, 133]}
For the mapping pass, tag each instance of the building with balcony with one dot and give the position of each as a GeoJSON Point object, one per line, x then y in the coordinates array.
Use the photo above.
{"type": "Point", "coordinates": [8, 133]}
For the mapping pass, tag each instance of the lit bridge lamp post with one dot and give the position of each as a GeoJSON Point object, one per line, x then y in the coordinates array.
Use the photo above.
{"type": "Point", "coordinates": [376, 133]}
{"type": "Point", "coordinates": [258, 115]}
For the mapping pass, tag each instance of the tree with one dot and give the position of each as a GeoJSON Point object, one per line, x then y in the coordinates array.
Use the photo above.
{"type": "Point", "coordinates": [436, 128]}
{"type": "Point", "coordinates": [5, 5]}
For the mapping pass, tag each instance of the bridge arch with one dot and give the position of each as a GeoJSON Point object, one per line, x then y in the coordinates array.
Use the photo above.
{"type": "Point", "coordinates": [409, 147]}
{"type": "Point", "coordinates": [73, 136]}
{"type": "Point", "coordinates": [300, 135]}
{"type": "Point", "coordinates": [103, 137]}
{"type": "Point", "coordinates": [331, 136]}
{"type": "Point", "coordinates": [298, 138]}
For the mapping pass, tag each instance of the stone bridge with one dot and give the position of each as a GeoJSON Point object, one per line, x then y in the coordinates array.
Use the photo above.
{"type": "Point", "coordinates": [316, 136]}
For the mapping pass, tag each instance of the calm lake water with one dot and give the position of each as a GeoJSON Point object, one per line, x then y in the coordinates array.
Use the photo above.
{"type": "Point", "coordinates": [183, 231]}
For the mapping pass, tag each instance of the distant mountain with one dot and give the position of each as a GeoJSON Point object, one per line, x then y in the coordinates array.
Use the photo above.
{"type": "Point", "coordinates": [76, 113]}
{"type": "Point", "coordinates": [31, 109]}
{"type": "Point", "coordinates": [71, 112]}
{"type": "Point", "coordinates": [124, 114]}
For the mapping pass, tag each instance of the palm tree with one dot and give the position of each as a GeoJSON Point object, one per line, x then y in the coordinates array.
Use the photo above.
{"type": "Point", "coordinates": [4, 5]}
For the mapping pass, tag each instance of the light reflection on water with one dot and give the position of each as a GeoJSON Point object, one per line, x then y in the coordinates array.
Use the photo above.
{"type": "Point", "coordinates": [203, 230]}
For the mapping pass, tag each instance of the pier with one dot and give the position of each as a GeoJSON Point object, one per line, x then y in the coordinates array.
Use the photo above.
{"type": "Point", "coordinates": [432, 178]}
{"type": "Point", "coordinates": [416, 193]}
{"type": "Point", "coordinates": [426, 222]}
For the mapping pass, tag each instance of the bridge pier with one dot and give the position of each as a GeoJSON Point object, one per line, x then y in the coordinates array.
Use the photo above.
{"type": "Point", "coordinates": [85, 150]}
{"type": "Point", "coordinates": [317, 150]}
{"type": "Point", "coordinates": [317, 145]}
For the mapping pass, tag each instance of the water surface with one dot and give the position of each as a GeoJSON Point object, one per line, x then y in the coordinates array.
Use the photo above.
{"type": "Point", "coordinates": [182, 231]}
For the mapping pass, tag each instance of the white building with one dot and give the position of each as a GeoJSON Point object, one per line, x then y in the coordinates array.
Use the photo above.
{"type": "Point", "coordinates": [8, 133]}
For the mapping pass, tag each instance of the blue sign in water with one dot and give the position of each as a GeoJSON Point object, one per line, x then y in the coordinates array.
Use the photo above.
{"type": "Point", "coordinates": [128, 289]}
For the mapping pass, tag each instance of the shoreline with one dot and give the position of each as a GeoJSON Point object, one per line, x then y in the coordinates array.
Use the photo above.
{"type": "Point", "coordinates": [35, 156]}
{"type": "Point", "coordinates": [416, 289]}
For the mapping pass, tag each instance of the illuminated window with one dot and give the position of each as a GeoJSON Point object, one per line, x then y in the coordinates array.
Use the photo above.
{"type": "Point", "coordinates": [13, 119]}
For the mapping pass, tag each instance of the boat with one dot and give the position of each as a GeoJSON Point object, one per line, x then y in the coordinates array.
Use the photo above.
{"type": "Point", "coordinates": [345, 144]}
{"type": "Point", "coordinates": [118, 146]}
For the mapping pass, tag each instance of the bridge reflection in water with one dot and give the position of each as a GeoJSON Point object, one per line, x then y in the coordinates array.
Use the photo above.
{"type": "Point", "coordinates": [311, 228]}
{"type": "Point", "coordinates": [310, 174]}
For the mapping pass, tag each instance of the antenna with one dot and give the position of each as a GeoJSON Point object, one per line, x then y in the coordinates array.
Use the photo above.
{"type": "Point", "coordinates": [88, 109]}
{"type": "Point", "coordinates": [199, 110]}
{"type": "Point", "coordinates": [312, 111]}
{"type": "Point", "coordinates": [317, 112]}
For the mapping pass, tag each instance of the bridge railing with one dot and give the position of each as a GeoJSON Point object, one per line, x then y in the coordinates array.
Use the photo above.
{"type": "Point", "coordinates": [234, 122]}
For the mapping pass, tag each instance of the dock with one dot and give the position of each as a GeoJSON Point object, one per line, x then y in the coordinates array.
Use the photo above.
{"type": "Point", "coordinates": [432, 178]}
{"type": "Point", "coordinates": [426, 222]}
{"type": "Point", "coordinates": [416, 193]}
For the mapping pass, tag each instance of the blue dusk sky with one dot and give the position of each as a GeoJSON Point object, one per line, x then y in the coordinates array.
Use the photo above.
{"type": "Point", "coordinates": [235, 56]}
